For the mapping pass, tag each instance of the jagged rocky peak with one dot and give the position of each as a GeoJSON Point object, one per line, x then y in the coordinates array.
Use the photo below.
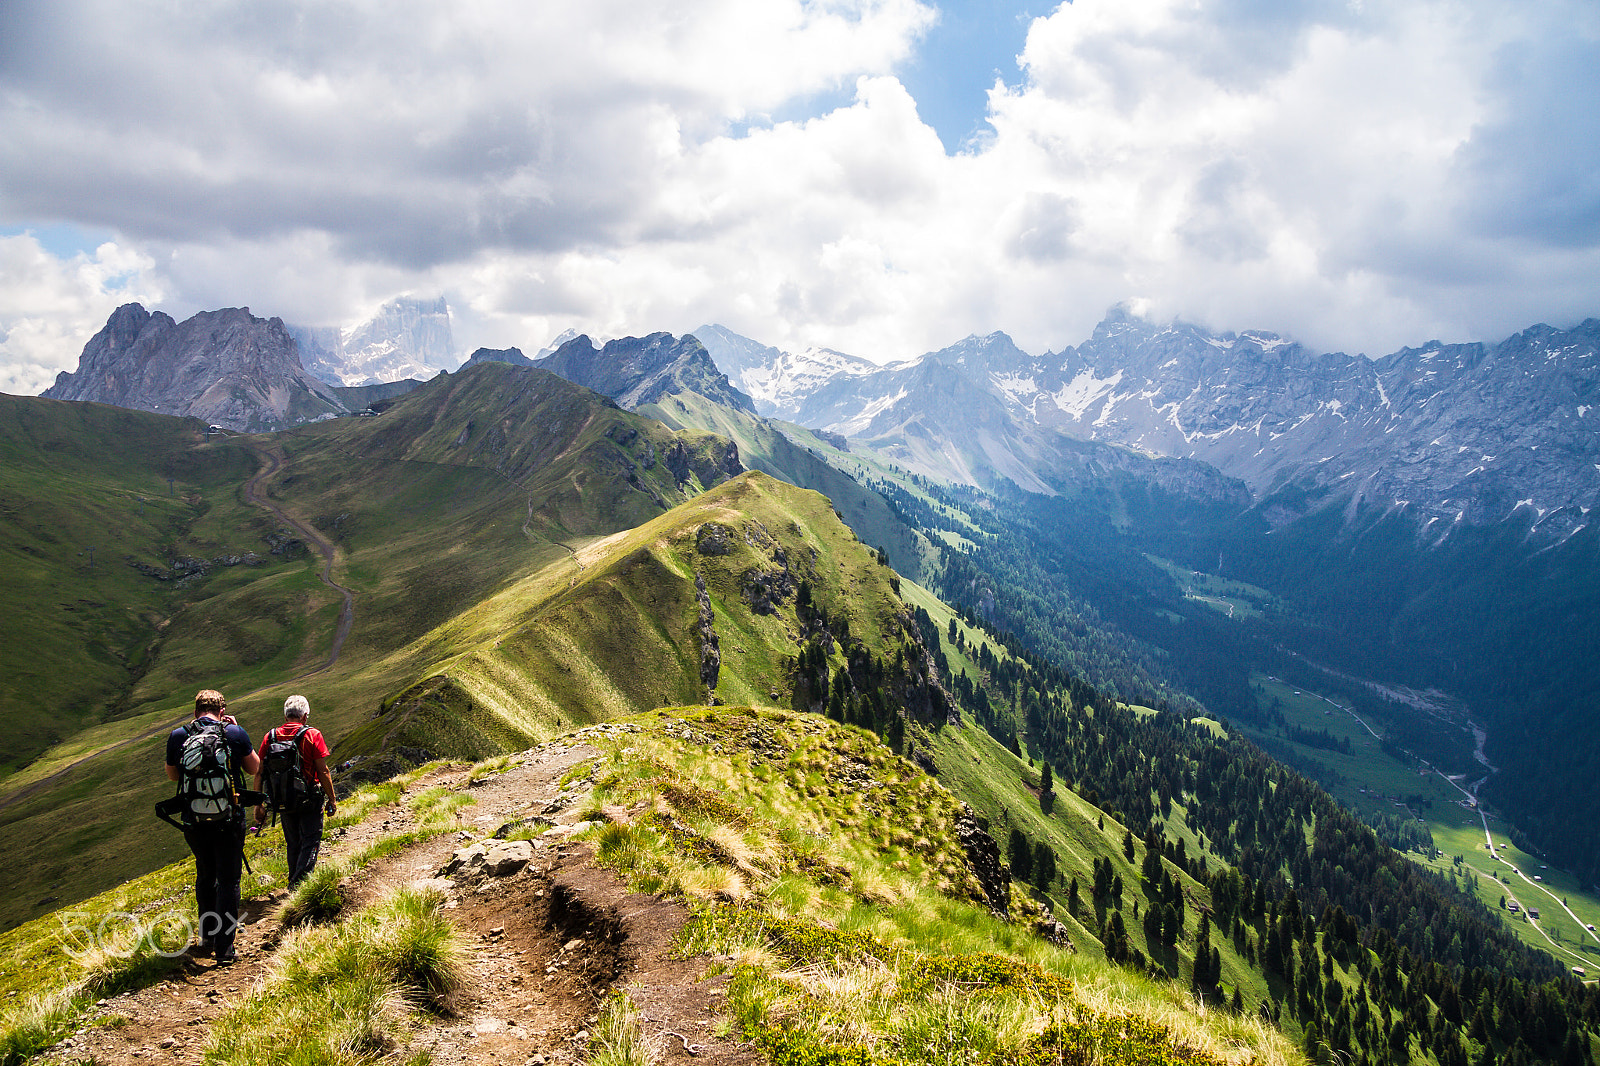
{"type": "Point", "coordinates": [778, 382]}
{"type": "Point", "coordinates": [227, 367]}
{"type": "Point", "coordinates": [635, 371]}
{"type": "Point", "coordinates": [561, 338]}
{"type": "Point", "coordinates": [996, 353]}
{"type": "Point", "coordinates": [409, 337]}
{"type": "Point", "coordinates": [734, 354]}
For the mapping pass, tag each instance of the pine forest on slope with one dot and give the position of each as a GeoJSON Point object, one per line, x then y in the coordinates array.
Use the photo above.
{"type": "Point", "coordinates": [1418, 522]}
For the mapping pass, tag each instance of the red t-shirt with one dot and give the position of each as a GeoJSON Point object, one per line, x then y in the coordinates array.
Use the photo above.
{"type": "Point", "coordinates": [312, 746]}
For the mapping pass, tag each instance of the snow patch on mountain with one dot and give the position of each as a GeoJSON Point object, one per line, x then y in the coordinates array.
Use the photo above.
{"type": "Point", "coordinates": [407, 338]}
{"type": "Point", "coordinates": [781, 388]}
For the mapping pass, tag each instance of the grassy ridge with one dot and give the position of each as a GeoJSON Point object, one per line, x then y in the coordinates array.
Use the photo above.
{"type": "Point", "coordinates": [762, 446]}
{"type": "Point", "coordinates": [613, 629]}
{"type": "Point", "coordinates": [854, 933]}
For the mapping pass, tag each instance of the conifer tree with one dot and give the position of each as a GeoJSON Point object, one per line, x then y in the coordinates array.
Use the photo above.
{"type": "Point", "coordinates": [1021, 853]}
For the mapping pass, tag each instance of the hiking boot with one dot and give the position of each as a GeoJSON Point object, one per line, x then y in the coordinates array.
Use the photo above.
{"type": "Point", "coordinates": [227, 957]}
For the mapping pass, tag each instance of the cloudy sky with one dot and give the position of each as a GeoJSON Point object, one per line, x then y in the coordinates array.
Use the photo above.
{"type": "Point", "coordinates": [879, 176]}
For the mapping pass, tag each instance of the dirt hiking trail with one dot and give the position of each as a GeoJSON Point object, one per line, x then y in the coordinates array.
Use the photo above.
{"type": "Point", "coordinates": [544, 943]}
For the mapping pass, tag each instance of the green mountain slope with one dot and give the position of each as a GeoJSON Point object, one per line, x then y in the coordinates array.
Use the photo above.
{"type": "Point", "coordinates": [114, 520]}
{"type": "Point", "coordinates": [764, 446]}
{"type": "Point", "coordinates": [528, 558]}
{"type": "Point", "coordinates": [618, 627]}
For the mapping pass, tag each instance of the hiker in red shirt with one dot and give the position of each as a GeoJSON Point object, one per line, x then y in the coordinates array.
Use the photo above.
{"type": "Point", "coordinates": [294, 775]}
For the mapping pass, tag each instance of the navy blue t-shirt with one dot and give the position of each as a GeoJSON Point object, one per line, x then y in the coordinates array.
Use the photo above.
{"type": "Point", "coordinates": [239, 746]}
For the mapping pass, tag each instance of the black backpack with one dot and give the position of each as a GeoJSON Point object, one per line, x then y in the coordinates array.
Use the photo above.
{"type": "Point", "coordinates": [206, 774]}
{"type": "Point", "coordinates": [283, 774]}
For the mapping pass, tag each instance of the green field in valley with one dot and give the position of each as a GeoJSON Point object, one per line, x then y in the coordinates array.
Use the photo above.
{"type": "Point", "coordinates": [1236, 599]}
{"type": "Point", "coordinates": [1374, 783]}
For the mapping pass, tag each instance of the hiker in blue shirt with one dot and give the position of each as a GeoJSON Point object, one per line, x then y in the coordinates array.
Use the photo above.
{"type": "Point", "coordinates": [209, 758]}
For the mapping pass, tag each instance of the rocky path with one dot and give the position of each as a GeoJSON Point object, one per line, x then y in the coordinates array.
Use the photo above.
{"type": "Point", "coordinates": [548, 935]}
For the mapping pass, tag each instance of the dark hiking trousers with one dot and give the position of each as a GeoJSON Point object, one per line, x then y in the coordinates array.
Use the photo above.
{"type": "Point", "coordinates": [218, 859]}
{"type": "Point", "coordinates": [302, 838]}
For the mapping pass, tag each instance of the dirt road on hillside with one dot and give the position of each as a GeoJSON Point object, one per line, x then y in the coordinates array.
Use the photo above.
{"type": "Point", "coordinates": [544, 945]}
{"type": "Point", "coordinates": [271, 463]}
{"type": "Point", "coordinates": [1557, 900]}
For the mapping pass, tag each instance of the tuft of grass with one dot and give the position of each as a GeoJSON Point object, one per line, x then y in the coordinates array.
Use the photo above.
{"type": "Point", "coordinates": [419, 949]}
{"type": "Point", "coordinates": [363, 801]}
{"type": "Point", "coordinates": [129, 958]}
{"type": "Point", "coordinates": [488, 767]}
{"type": "Point", "coordinates": [39, 1022]}
{"type": "Point", "coordinates": [436, 807]}
{"type": "Point", "coordinates": [318, 898]}
{"type": "Point", "coordinates": [323, 894]}
{"type": "Point", "coordinates": [341, 993]}
{"type": "Point", "coordinates": [617, 1039]}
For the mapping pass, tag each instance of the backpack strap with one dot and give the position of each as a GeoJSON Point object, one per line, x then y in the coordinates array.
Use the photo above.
{"type": "Point", "coordinates": [167, 808]}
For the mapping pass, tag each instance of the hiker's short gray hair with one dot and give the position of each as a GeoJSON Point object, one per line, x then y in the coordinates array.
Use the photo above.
{"type": "Point", "coordinates": [296, 707]}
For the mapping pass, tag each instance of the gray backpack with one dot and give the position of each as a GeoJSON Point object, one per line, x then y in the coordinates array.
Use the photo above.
{"type": "Point", "coordinates": [206, 774]}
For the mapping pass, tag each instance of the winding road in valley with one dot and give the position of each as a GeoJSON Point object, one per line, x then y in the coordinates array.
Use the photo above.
{"type": "Point", "coordinates": [271, 463]}
{"type": "Point", "coordinates": [272, 460]}
{"type": "Point", "coordinates": [1489, 838]}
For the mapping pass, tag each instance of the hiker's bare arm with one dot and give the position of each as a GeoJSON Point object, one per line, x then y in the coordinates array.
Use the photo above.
{"type": "Point", "coordinates": [172, 772]}
{"type": "Point", "coordinates": [252, 763]}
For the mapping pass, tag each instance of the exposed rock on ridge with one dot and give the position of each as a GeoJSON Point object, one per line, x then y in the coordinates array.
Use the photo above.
{"type": "Point", "coordinates": [512, 355]}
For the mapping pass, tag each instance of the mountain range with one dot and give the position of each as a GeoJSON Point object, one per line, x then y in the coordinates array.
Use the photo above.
{"type": "Point", "coordinates": [525, 560]}
{"type": "Point", "coordinates": [1420, 520]}
{"type": "Point", "coordinates": [1448, 434]}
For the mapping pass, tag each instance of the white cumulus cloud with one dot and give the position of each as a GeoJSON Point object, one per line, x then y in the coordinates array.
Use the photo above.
{"type": "Point", "coordinates": [50, 307]}
{"type": "Point", "coordinates": [1356, 175]}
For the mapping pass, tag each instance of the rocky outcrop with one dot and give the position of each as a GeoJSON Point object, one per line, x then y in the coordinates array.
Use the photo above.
{"type": "Point", "coordinates": [766, 590]}
{"type": "Point", "coordinates": [512, 356]}
{"type": "Point", "coordinates": [228, 368]}
{"type": "Point", "coordinates": [710, 649]}
{"type": "Point", "coordinates": [713, 460]}
{"type": "Point", "coordinates": [983, 856]}
{"type": "Point", "coordinates": [713, 538]}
